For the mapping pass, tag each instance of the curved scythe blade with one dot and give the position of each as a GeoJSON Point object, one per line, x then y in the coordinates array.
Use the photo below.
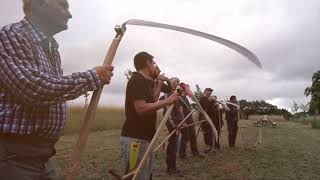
{"type": "Point", "coordinates": [240, 49]}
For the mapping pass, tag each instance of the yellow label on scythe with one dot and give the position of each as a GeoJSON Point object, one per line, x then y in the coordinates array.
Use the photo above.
{"type": "Point", "coordinates": [134, 154]}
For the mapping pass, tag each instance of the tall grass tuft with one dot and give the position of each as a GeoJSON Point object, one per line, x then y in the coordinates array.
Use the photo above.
{"type": "Point", "coordinates": [106, 119]}
{"type": "Point", "coordinates": [315, 124]}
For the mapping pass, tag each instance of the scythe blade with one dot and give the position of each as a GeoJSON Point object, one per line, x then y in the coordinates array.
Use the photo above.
{"type": "Point", "coordinates": [240, 49]}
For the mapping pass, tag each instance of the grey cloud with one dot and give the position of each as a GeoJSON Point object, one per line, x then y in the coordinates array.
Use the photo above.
{"type": "Point", "coordinates": [284, 35]}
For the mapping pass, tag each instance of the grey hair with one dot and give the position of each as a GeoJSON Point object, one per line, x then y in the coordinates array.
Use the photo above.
{"type": "Point", "coordinates": [26, 6]}
{"type": "Point", "coordinates": [174, 79]}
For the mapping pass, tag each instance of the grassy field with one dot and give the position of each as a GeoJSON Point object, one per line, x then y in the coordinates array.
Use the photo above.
{"type": "Point", "coordinates": [290, 151]}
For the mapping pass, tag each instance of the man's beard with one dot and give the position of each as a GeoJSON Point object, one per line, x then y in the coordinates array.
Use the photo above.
{"type": "Point", "coordinates": [154, 75]}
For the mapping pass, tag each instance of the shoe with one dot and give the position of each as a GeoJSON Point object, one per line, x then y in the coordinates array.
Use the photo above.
{"type": "Point", "coordinates": [175, 172]}
{"type": "Point", "coordinates": [198, 155]}
{"type": "Point", "coordinates": [217, 147]}
{"type": "Point", "coordinates": [184, 158]}
{"type": "Point", "coordinates": [209, 149]}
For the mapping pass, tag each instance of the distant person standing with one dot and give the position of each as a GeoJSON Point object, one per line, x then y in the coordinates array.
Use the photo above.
{"type": "Point", "coordinates": [216, 118]}
{"type": "Point", "coordinates": [232, 119]}
{"type": "Point", "coordinates": [207, 131]}
{"type": "Point", "coordinates": [174, 120]}
{"type": "Point", "coordinates": [189, 133]}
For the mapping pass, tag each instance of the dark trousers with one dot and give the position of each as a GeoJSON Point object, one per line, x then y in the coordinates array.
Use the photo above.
{"type": "Point", "coordinates": [207, 133]}
{"type": "Point", "coordinates": [218, 128]}
{"type": "Point", "coordinates": [188, 134]}
{"type": "Point", "coordinates": [171, 154]}
{"type": "Point", "coordinates": [27, 159]}
{"type": "Point", "coordinates": [232, 132]}
{"type": "Point", "coordinates": [183, 142]}
{"type": "Point", "coordinates": [207, 136]}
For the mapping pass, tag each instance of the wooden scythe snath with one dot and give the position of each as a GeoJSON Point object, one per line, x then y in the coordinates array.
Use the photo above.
{"type": "Point", "coordinates": [174, 131]}
{"type": "Point", "coordinates": [149, 150]}
{"type": "Point", "coordinates": [205, 115]}
{"type": "Point", "coordinates": [91, 111]}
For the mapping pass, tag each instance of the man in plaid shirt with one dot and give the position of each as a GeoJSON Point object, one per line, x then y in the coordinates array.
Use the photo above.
{"type": "Point", "coordinates": [33, 90]}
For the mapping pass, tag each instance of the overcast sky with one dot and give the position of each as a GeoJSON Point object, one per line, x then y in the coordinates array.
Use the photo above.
{"type": "Point", "coordinates": [284, 34]}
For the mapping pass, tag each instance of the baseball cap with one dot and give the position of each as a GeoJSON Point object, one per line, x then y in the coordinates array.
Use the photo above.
{"type": "Point", "coordinates": [208, 89]}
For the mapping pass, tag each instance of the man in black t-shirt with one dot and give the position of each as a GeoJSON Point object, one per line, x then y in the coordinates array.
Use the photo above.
{"type": "Point", "coordinates": [205, 104]}
{"type": "Point", "coordinates": [141, 106]}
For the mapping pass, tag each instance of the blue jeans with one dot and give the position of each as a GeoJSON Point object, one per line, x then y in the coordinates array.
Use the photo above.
{"type": "Point", "coordinates": [125, 143]}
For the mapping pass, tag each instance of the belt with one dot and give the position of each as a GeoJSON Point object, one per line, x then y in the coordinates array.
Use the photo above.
{"type": "Point", "coordinates": [28, 139]}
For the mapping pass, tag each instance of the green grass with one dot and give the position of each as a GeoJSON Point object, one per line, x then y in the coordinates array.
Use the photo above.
{"type": "Point", "coordinates": [290, 151]}
{"type": "Point", "coordinates": [106, 119]}
{"type": "Point", "coordinates": [315, 124]}
{"type": "Point", "coordinates": [313, 121]}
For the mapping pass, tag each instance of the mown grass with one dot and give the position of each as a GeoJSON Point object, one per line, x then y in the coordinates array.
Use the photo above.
{"type": "Point", "coordinates": [290, 151]}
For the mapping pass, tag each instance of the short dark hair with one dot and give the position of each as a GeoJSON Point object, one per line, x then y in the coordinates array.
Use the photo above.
{"type": "Point", "coordinates": [233, 97]}
{"type": "Point", "coordinates": [141, 59]}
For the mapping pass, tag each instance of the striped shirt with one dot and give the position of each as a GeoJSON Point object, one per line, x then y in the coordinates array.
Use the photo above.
{"type": "Point", "coordinates": [33, 90]}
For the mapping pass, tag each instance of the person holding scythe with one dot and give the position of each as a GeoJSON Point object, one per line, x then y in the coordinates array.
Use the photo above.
{"type": "Point", "coordinates": [141, 106]}
{"type": "Point", "coordinates": [174, 120]}
{"type": "Point", "coordinates": [205, 126]}
{"type": "Point", "coordinates": [232, 119]}
{"type": "Point", "coordinates": [34, 91]}
{"type": "Point", "coordinates": [189, 133]}
{"type": "Point", "coordinates": [216, 117]}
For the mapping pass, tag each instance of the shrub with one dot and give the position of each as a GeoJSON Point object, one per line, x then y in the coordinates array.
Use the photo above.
{"type": "Point", "coordinates": [315, 124]}
{"type": "Point", "coordinates": [305, 121]}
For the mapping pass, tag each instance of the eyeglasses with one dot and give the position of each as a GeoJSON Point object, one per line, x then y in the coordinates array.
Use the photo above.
{"type": "Point", "coordinates": [154, 64]}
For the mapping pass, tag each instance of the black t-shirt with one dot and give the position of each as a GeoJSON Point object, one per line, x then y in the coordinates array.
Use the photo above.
{"type": "Point", "coordinates": [135, 125]}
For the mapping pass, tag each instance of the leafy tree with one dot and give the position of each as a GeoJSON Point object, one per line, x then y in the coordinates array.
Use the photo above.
{"type": "Point", "coordinates": [295, 110]}
{"type": "Point", "coordinates": [261, 107]}
{"type": "Point", "coordinates": [295, 107]}
{"type": "Point", "coordinates": [314, 92]}
{"type": "Point", "coordinates": [198, 92]}
{"type": "Point", "coordinates": [304, 108]}
{"type": "Point", "coordinates": [128, 73]}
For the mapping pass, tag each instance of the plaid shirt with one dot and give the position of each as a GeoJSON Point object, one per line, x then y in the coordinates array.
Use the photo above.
{"type": "Point", "coordinates": [33, 90]}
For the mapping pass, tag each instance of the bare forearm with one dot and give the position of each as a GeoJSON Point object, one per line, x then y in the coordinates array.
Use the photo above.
{"type": "Point", "coordinates": [151, 107]}
{"type": "Point", "coordinates": [157, 91]}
